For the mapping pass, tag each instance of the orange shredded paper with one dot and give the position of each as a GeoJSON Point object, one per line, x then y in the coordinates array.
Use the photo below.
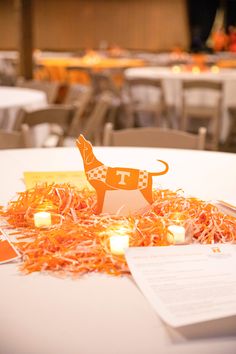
{"type": "Point", "coordinates": [77, 242]}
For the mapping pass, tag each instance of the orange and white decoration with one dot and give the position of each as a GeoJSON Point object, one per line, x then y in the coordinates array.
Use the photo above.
{"type": "Point", "coordinates": [120, 190]}
{"type": "Point", "coordinates": [7, 251]}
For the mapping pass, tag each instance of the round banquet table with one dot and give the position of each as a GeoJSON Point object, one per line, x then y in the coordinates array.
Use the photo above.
{"type": "Point", "coordinates": [173, 89]}
{"type": "Point", "coordinates": [61, 68]}
{"type": "Point", "coordinates": [14, 98]}
{"type": "Point", "coordinates": [91, 63]}
{"type": "Point", "coordinates": [97, 313]}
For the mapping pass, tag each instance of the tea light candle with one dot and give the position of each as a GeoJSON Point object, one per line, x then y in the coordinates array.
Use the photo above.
{"type": "Point", "coordinates": [42, 218]}
{"type": "Point", "coordinates": [177, 232]}
{"type": "Point", "coordinates": [176, 69]}
{"type": "Point", "coordinates": [195, 70]}
{"type": "Point", "coordinates": [118, 244]}
{"type": "Point", "coordinates": [215, 69]}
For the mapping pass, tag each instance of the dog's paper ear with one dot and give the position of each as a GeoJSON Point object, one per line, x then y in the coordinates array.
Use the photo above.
{"type": "Point", "coordinates": [122, 191]}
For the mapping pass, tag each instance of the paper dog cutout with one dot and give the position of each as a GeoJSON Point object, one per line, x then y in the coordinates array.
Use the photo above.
{"type": "Point", "coordinates": [119, 190]}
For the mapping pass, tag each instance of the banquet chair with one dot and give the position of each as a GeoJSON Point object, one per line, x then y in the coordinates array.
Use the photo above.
{"type": "Point", "coordinates": [16, 139]}
{"type": "Point", "coordinates": [154, 137]}
{"type": "Point", "coordinates": [209, 112]}
{"type": "Point", "coordinates": [231, 139]}
{"type": "Point", "coordinates": [50, 88]}
{"type": "Point", "coordinates": [83, 106]}
{"type": "Point", "coordinates": [92, 126]}
{"type": "Point", "coordinates": [102, 81]}
{"type": "Point", "coordinates": [146, 102]}
{"type": "Point", "coordinates": [8, 72]}
{"type": "Point", "coordinates": [52, 122]}
{"type": "Point", "coordinates": [76, 93]}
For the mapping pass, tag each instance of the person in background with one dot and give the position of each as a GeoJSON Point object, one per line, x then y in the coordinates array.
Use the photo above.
{"type": "Point", "coordinates": [220, 40]}
{"type": "Point", "coordinates": [201, 16]}
{"type": "Point", "coordinates": [232, 39]}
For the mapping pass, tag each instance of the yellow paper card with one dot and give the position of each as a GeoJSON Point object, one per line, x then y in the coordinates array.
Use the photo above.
{"type": "Point", "coordinates": [76, 178]}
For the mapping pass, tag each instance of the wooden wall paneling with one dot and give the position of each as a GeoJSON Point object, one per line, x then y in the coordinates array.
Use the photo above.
{"type": "Point", "coordinates": [8, 25]}
{"type": "Point", "coordinates": [67, 25]}
{"type": "Point", "coordinates": [109, 20]}
{"type": "Point", "coordinates": [167, 25]}
{"type": "Point", "coordinates": [86, 25]}
{"type": "Point", "coordinates": [25, 30]}
{"type": "Point", "coordinates": [176, 28]}
{"type": "Point", "coordinates": [136, 20]}
{"type": "Point", "coordinates": [75, 24]}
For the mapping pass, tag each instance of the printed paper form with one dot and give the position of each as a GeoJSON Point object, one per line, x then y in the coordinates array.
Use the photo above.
{"type": "Point", "coordinates": [186, 284]}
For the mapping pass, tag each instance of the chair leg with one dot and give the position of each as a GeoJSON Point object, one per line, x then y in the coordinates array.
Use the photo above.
{"type": "Point", "coordinates": [183, 122]}
{"type": "Point", "coordinates": [230, 140]}
{"type": "Point", "coordinates": [130, 119]}
{"type": "Point", "coordinates": [216, 132]}
{"type": "Point", "coordinates": [157, 119]}
{"type": "Point", "coordinates": [215, 143]}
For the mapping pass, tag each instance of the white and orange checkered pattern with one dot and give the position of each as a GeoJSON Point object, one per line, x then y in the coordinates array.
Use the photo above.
{"type": "Point", "coordinates": [98, 173]}
{"type": "Point", "coordinates": [143, 179]}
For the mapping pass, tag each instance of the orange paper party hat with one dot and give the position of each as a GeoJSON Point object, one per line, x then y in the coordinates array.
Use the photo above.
{"type": "Point", "coordinates": [119, 190]}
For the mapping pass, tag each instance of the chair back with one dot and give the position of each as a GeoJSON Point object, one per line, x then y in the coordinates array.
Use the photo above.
{"type": "Point", "coordinates": [202, 84]}
{"type": "Point", "coordinates": [146, 97]}
{"type": "Point", "coordinates": [202, 100]}
{"type": "Point", "coordinates": [61, 115]}
{"type": "Point", "coordinates": [94, 124]}
{"type": "Point", "coordinates": [102, 81]}
{"type": "Point", "coordinates": [8, 72]}
{"type": "Point", "coordinates": [75, 93]}
{"type": "Point", "coordinates": [231, 138]}
{"type": "Point", "coordinates": [15, 139]}
{"type": "Point", "coordinates": [54, 119]}
{"type": "Point", "coordinates": [50, 88]}
{"type": "Point", "coordinates": [82, 107]}
{"type": "Point", "coordinates": [154, 137]}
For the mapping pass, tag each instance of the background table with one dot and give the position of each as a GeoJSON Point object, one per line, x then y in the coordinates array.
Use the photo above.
{"type": "Point", "coordinates": [97, 313]}
{"type": "Point", "coordinates": [96, 62]}
{"type": "Point", "coordinates": [173, 92]}
{"type": "Point", "coordinates": [62, 69]}
{"type": "Point", "coordinates": [12, 99]}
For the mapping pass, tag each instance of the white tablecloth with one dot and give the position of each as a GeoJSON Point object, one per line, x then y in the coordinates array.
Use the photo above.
{"type": "Point", "coordinates": [173, 92]}
{"type": "Point", "coordinates": [12, 99]}
{"type": "Point", "coordinates": [14, 55]}
{"type": "Point", "coordinates": [95, 314]}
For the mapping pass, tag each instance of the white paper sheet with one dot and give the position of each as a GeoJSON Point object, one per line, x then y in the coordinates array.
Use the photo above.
{"type": "Point", "coordinates": [186, 284]}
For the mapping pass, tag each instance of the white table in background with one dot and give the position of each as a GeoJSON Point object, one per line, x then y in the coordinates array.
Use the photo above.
{"type": "Point", "coordinates": [173, 92]}
{"type": "Point", "coordinates": [100, 314]}
{"type": "Point", "coordinates": [14, 98]}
